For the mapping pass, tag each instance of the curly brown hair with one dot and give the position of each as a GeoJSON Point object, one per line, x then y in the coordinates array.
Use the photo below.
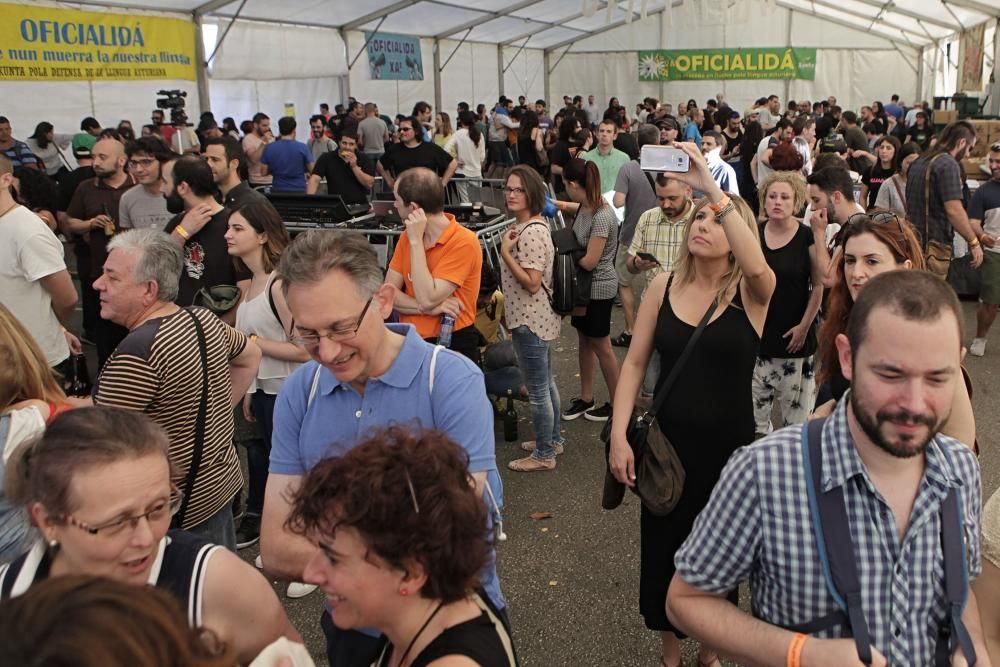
{"type": "Point", "coordinates": [95, 622]}
{"type": "Point", "coordinates": [898, 236]}
{"type": "Point", "coordinates": [409, 495]}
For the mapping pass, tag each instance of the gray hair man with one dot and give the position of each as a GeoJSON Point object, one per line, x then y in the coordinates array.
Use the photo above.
{"type": "Point", "coordinates": [364, 374]}
{"type": "Point", "coordinates": [183, 367]}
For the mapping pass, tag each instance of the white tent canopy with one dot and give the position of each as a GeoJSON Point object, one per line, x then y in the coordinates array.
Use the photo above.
{"type": "Point", "coordinates": [265, 54]}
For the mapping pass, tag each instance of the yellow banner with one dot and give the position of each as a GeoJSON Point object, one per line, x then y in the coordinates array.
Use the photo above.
{"type": "Point", "coordinates": [52, 44]}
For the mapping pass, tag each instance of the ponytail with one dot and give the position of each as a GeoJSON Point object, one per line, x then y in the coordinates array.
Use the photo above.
{"type": "Point", "coordinates": [588, 176]}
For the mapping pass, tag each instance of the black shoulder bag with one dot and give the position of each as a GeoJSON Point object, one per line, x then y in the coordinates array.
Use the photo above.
{"type": "Point", "coordinates": [659, 474]}
{"type": "Point", "coordinates": [199, 428]}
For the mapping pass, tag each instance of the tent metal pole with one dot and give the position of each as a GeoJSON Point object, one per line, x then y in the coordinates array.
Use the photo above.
{"type": "Point", "coordinates": [788, 44]}
{"type": "Point", "coordinates": [920, 77]}
{"type": "Point", "coordinates": [437, 74]}
{"type": "Point", "coordinates": [364, 46]}
{"type": "Point", "coordinates": [455, 50]}
{"type": "Point", "coordinates": [345, 79]}
{"type": "Point", "coordinates": [517, 53]}
{"type": "Point", "coordinates": [225, 32]}
{"type": "Point", "coordinates": [906, 59]}
{"type": "Point", "coordinates": [556, 64]}
{"type": "Point", "coordinates": [547, 92]}
{"type": "Point", "coordinates": [500, 69]}
{"type": "Point", "coordinates": [204, 98]}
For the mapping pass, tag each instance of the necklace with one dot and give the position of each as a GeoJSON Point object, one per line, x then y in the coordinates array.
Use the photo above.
{"type": "Point", "coordinates": [420, 632]}
{"type": "Point", "coordinates": [9, 209]}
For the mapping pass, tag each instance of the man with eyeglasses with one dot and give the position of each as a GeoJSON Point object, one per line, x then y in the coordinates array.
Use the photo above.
{"type": "Point", "coordinates": [412, 151]}
{"type": "Point", "coordinates": [364, 374]}
{"type": "Point", "coordinates": [984, 215]}
{"type": "Point", "coordinates": [143, 206]}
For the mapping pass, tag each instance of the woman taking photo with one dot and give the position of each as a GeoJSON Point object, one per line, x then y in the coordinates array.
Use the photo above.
{"type": "Point", "coordinates": [526, 277]}
{"type": "Point", "coordinates": [469, 146]}
{"type": "Point", "coordinates": [709, 412]}
{"type": "Point", "coordinates": [401, 544]}
{"type": "Point", "coordinates": [255, 239]}
{"type": "Point", "coordinates": [887, 153]}
{"type": "Point", "coordinates": [596, 230]}
{"type": "Point", "coordinates": [873, 244]}
{"type": "Point", "coordinates": [530, 141]}
{"type": "Point", "coordinates": [892, 194]}
{"type": "Point", "coordinates": [97, 487]}
{"type": "Point", "coordinates": [785, 370]}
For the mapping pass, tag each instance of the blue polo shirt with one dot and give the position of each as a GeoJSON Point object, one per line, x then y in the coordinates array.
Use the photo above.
{"type": "Point", "coordinates": [339, 417]}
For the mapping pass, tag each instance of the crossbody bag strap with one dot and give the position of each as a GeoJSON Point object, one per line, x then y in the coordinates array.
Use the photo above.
{"type": "Point", "coordinates": [546, 225]}
{"type": "Point", "coordinates": [899, 191]}
{"type": "Point", "coordinates": [199, 428]}
{"type": "Point", "coordinates": [956, 577]}
{"type": "Point", "coordinates": [927, 200]}
{"type": "Point", "coordinates": [661, 395]}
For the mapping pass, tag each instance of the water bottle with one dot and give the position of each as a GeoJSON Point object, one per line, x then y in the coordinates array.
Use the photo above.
{"type": "Point", "coordinates": [80, 385]}
{"type": "Point", "coordinates": [447, 324]}
{"type": "Point", "coordinates": [510, 419]}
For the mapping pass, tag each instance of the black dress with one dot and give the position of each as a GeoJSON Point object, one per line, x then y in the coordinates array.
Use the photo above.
{"type": "Point", "coordinates": [707, 416]}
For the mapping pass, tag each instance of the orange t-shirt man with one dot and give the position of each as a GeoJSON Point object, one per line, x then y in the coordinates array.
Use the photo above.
{"type": "Point", "coordinates": [457, 258]}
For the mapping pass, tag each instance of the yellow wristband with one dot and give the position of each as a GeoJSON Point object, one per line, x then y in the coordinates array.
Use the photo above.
{"type": "Point", "coordinates": [795, 650]}
{"type": "Point", "coordinates": [183, 232]}
{"type": "Point", "coordinates": [974, 242]}
{"type": "Point", "coordinates": [253, 338]}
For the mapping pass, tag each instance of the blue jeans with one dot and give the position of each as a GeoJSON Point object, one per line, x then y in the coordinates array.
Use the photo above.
{"type": "Point", "coordinates": [259, 451]}
{"type": "Point", "coordinates": [218, 529]}
{"type": "Point", "coordinates": [534, 356]}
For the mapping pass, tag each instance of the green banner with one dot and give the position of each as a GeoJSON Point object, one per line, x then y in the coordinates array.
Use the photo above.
{"type": "Point", "coordinates": [717, 64]}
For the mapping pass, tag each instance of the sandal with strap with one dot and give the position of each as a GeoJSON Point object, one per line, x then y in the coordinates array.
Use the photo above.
{"type": "Point", "coordinates": [712, 662]}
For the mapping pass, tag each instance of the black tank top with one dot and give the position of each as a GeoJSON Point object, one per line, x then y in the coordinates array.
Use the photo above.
{"type": "Point", "coordinates": [179, 568]}
{"type": "Point", "coordinates": [483, 639]}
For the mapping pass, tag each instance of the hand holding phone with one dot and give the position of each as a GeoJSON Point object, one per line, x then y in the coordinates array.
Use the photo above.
{"type": "Point", "coordinates": [648, 257]}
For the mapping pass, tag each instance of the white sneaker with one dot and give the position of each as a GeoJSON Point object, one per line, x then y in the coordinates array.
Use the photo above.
{"type": "Point", "coordinates": [978, 347]}
{"type": "Point", "coordinates": [297, 589]}
{"type": "Point", "coordinates": [258, 562]}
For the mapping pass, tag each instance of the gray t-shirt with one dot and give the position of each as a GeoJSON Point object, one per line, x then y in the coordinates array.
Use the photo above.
{"type": "Point", "coordinates": [372, 129]}
{"type": "Point", "coordinates": [140, 210]}
{"type": "Point", "coordinates": [639, 197]}
{"type": "Point", "coordinates": [604, 224]}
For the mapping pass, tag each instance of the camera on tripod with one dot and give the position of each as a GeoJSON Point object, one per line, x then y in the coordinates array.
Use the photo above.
{"type": "Point", "coordinates": [173, 100]}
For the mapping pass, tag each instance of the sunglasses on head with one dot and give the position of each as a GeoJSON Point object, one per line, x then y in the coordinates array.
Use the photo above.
{"type": "Point", "coordinates": [879, 218]}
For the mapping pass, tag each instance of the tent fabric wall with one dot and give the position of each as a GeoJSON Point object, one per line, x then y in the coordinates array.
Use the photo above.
{"type": "Point", "coordinates": [263, 52]}
{"type": "Point", "coordinates": [525, 74]}
{"type": "Point", "coordinates": [855, 66]}
{"type": "Point", "coordinates": [242, 98]}
{"type": "Point", "coordinates": [470, 76]}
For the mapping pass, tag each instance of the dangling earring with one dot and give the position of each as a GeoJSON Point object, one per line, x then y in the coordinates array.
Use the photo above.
{"type": "Point", "coordinates": [53, 543]}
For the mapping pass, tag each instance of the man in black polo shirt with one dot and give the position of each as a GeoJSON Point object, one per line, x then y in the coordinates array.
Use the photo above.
{"type": "Point", "coordinates": [413, 151]}
{"type": "Point", "coordinates": [199, 226]}
{"type": "Point", "coordinates": [348, 173]}
{"type": "Point", "coordinates": [224, 156]}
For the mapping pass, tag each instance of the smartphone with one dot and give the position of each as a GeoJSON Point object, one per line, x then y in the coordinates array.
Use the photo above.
{"type": "Point", "coordinates": [663, 158]}
{"type": "Point", "coordinates": [648, 257]}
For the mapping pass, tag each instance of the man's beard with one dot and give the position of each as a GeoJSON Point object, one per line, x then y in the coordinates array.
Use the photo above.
{"type": "Point", "coordinates": [831, 215]}
{"type": "Point", "coordinates": [175, 203]}
{"type": "Point", "coordinates": [872, 426]}
{"type": "Point", "coordinates": [104, 173]}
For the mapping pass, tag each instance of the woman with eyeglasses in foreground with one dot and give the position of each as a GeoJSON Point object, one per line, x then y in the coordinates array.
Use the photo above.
{"type": "Point", "coordinates": [402, 540]}
{"type": "Point", "coordinates": [869, 245]}
{"type": "Point", "coordinates": [97, 487]}
{"type": "Point", "coordinates": [709, 411]}
{"type": "Point", "coordinates": [255, 240]}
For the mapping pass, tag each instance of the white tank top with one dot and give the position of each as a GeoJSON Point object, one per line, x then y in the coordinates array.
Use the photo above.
{"type": "Point", "coordinates": [254, 316]}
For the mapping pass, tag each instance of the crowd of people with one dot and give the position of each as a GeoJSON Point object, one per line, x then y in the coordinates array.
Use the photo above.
{"type": "Point", "coordinates": [787, 321]}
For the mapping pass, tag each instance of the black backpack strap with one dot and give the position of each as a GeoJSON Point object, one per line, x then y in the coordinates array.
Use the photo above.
{"type": "Point", "coordinates": [199, 429]}
{"type": "Point", "coordinates": [956, 581]}
{"type": "Point", "coordinates": [833, 538]}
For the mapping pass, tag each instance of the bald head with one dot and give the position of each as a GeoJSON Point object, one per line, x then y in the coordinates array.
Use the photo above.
{"type": "Point", "coordinates": [421, 188]}
{"type": "Point", "coordinates": [109, 157]}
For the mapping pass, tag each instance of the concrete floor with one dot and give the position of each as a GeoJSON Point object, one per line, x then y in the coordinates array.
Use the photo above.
{"type": "Point", "coordinates": [572, 580]}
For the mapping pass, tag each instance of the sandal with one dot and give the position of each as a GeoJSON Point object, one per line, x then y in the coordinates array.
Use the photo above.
{"type": "Point", "coordinates": [712, 662]}
{"type": "Point", "coordinates": [622, 340]}
{"type": "Point", "coordinates": [529, 446]}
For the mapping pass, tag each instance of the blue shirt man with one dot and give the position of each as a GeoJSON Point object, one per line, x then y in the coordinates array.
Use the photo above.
{"type": "Point", "coordinates": [288, 160]}
{"type": "Point", "coordinates": [364, 374]}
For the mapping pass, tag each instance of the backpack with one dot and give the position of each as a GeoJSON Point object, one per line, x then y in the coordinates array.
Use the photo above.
{"type": "Point", "coordinates": [836, 553]}
{"type": "Point", "coordinates": [570, 283]}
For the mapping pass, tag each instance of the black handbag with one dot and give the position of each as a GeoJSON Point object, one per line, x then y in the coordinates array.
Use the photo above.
{"type": "Point", "coordinates": [659, 473]}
